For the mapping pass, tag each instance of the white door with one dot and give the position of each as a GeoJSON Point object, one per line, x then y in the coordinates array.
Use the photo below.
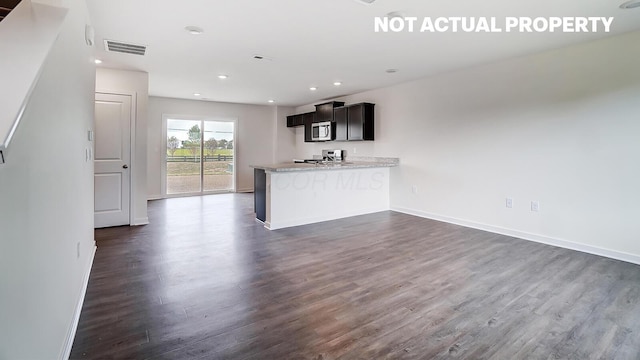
{"type": "Point", "coordinates": [112, 159]}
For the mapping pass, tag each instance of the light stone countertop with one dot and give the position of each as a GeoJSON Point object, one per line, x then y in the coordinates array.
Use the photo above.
{"type": "Point", "coordinates": [361, 163]}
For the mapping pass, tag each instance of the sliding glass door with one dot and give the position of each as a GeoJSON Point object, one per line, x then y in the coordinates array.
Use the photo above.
{"type": "Point", "coordinates": [183, 157]}
{"type": "Point", "coordinates": [200, 156]}
{"type": "Point", "coordinates": [218, 156]}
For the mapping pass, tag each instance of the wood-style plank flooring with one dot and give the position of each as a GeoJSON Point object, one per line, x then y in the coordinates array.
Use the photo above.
{"type": "Point", "coordinates": [205, 281]}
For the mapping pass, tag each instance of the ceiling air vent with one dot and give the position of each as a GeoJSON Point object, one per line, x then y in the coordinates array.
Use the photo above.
{"type": "Point", "coordinates": [122, 47]}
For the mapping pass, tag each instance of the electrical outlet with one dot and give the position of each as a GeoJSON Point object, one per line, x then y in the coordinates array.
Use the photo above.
{"type": "Point", "coordinates": [509, 203]}
{"type": "Point", "coordinates": [78, 250]}
{"type": "Point", "coordinates": [414, 189]}
{"type": "Point", "coordinates": [355, 151]}
{"type": "Point", "coordinates": [535, 206]}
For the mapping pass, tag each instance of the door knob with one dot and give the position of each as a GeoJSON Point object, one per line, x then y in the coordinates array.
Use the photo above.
{"type": "Point", "coordinates": [125, 166]}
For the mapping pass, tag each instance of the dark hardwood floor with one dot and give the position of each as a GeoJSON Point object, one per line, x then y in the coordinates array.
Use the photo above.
{"type": "Point", "coordinates": [205, 281]}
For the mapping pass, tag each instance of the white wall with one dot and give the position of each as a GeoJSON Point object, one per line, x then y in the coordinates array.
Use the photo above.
{"type": "Point", "coordinates": [46, 202]}
{"type": "Point", "coordinates": [255, 135]}
{"type": "Point", "coordinates": [135, 83]}
{"type": "Point", "coordinates": [284, 137]}
{"type": "Point", "coordinates": [28, 35]}
{"type": "Point", "coordinates": [561, 127]}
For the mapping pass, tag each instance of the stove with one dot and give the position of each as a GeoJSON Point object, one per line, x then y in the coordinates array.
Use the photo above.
{"type": "Point", "coordinates": [308, 161]}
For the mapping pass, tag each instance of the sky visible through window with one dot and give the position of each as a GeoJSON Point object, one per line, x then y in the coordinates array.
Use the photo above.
{"type": "Point", "coordinates": [219, 130]}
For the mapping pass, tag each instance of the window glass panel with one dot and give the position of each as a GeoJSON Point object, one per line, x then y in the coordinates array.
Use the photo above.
{"type": "Point", "coordinates": [183, 156]}
{"type": "Point", "coordinates": [218, 156]}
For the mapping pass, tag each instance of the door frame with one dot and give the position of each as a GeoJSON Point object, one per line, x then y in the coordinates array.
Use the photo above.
{"type": "Point", "coordinates": [132, 141]}
{"type": "Point", "coordinates": [163, 166]}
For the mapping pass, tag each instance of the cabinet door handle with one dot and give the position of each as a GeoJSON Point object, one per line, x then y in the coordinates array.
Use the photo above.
{"type": "Point", "coordinates": [125, 166]}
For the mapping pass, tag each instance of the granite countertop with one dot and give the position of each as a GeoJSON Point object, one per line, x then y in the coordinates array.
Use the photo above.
{"type": "Point", "coordinates": [359, 163]}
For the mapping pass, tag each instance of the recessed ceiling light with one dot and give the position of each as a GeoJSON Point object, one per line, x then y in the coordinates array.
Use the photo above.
{"type": "Point", "coordinates": [313, 88]}
{"type": "Point", "coordinates": [271, 101]}
{"type": "Point", "coordinates": [97, 61]}
{"type": "Point", "coordinates": [194, 30]}
{"type": "Point", "coordinates": [337, 83]}
{"type": "Point", "coordinates": [630, 4]}
{"type": "Point", "coordinates": [366, 2]}
{"type": "Point", "coordinates": [196, 94]}
{"type": "Point", "coordinates": [222, 76]}
{"type": "Point", "coordinates": [391, 71]}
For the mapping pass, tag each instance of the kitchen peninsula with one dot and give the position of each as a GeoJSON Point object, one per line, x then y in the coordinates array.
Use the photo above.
{"type": "Point", "coordinates": [292, 194]}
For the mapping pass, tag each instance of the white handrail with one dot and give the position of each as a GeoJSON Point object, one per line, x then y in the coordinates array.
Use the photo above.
{"type": "Point", "coordinates": [26, 37]}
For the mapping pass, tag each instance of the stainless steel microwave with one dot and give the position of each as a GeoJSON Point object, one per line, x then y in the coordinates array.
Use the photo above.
{"type": "Point", "coordinates": [321, 131]}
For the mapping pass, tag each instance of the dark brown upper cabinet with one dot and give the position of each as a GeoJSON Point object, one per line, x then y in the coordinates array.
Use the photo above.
{"type": "Point", "coordinates": [295, 120]}
{"type": "Point", "coordinates": [360, 121]}
{"type": "Point", "coordinates": [324, 112]}
{"type": "Point", "coordinates": [350, 123]}
{"type": "Point", "coordinates": [355, 122]}
{"type": "Point", "coordinates": [308, 119]}
{"type": "Point", "coordinates": [340, 115]}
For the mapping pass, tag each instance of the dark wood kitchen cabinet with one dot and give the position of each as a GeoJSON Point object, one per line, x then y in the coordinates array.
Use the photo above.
{"type": "Point", "coordinates": [324, 112]}
{"type": "Point", "coordinates": [309, 117]}
{"type": "Point", "coordinates": [354, 122]}
{"type": "Point", "coordinates": [360, 125]}
{"type": "Point", "coordinates": [260, 194]}
{"type": "Point", "coordinates": [340, 117]}
{"type": "Point", "coordinates": [295, 120]}
{"type": "Point", "coordinates": [307, 120]}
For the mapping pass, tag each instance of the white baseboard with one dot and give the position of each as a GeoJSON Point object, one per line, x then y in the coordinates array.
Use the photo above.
{"type": "Point", "coordinates": [613, 254]}
{"type": "Point", "coordinates": [140, 221]}
{"type": "Point", "coordinates": [162, 197]}
{"type": "Point", "coordinates": [71, 335]}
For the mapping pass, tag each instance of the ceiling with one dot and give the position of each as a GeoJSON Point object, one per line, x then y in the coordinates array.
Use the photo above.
{"type": "Point", "coordinates": [316, 43]}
